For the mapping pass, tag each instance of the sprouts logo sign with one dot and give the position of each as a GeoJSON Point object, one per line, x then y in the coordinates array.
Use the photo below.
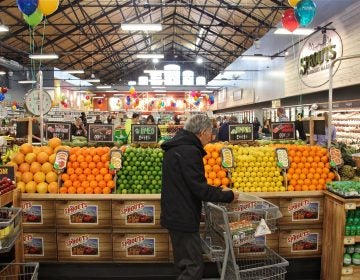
{"type": "Point", "coordinates": [316, 56]}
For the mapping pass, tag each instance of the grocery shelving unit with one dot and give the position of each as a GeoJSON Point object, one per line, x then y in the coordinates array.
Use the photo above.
{"type": "Point", "coordinates": [347, 127]}
{"type": "Point", "coordinates": [334, 239]}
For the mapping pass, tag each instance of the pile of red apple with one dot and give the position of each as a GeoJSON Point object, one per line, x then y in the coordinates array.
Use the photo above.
{"type": "Point", "coordinates": [6, 185]}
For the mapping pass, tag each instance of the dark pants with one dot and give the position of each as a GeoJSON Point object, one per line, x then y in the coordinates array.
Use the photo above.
{"type": "Point", "coordinates": [187, 253]}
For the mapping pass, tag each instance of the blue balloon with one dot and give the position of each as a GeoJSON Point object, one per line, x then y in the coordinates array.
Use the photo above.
{"type": "Point", "coordinates": [27, 6]}
{"type": "Point", "coordinates": [305, 12]}
{"type": "Point", "coordinates": [2, 97]}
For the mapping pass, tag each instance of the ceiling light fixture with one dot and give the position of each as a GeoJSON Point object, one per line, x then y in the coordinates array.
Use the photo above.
{"type": "Point", "coordinates": [298, 31]}
{"type": "Point", "coordinates": [141, 26]}
{"type": "Point", "coordinates": [4, 28]}
{"type": "Point", "coordinates": [92, 81]}
{"type": "Point", "coordinates": [131, 83]}
{"type": "Point", "coordinates": [43, 56]}
{"type": "Point", "coordinates": [27, 82]}
{"type": "Point", "coordinates": [159, 90]}
{"type": "Point", "coordinates": [255, 57]}
{"type": "Point", "coordinates": [74, 71]}
{"type": "Point", "coordinates": [102, 87]}
{"type": "Point", "coordinates": [199, 60]}
{"type": "Point", "coordinates": [155, 60]}
{"type": "Point", "coordinates": [2, 72]}
{"type": "Point", "coordinates": [150, 55]}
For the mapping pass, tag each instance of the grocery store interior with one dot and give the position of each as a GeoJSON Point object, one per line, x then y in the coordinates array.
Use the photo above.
{"type": "Point", "coordinates": [89, 90]}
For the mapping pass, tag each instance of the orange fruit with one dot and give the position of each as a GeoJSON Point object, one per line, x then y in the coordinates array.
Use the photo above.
{"type": "Point", "coordinates": [27, 177]}
{"type": "Point", "coordinates": [63, 190]}
{"type": "Point", "coordinates": [70, 171]}
{"type": "Point", "coordinates": [72, 158]}
{"type": "Point", "coordinates": [210, 181]}
{"type": "Point", "coordinates": [96, 158]}
{"type": "Point", "coordinates": [204, 161]}
{"type": "Point", "coordinates": [104, 171]}
{"type": "Point", "coordinates": [73, 177]}
{"type": "Point", "coordinates": [47, 150]}
{"type": "Point", "coordinates": [26, 148]}
{"type": "Point", "coordinates": [18, 158]}
{"type": "Point", "coordinates": [323, 175]}
{"type": "Point", "coordinates": [212, 175]}
{"type": "Point", "coordinates": [47, 167]}
{"type": "Point", "coordinates": [92, 165]}
{"type": "Point", "coordinates": [99, 177]}
{"type": "Point", "coordinates": [24, 167]}
{"type": "Point", "coordinates": [80, 158]}
{"type": "Point", "coordinates": [297, 159]}
{"type": "Point", "coordinates": [211, 161]}
{"type": "Point", "coordinates": [110, 184]}
{"type": "Point", "coordinates": [316, 176]}
{"type": "Point", "coordinates": [67, 183]}
{"type": "Point", "coordinates": [321, 165]}
{"type": "Point", "coordinates": [72, 190]}
{"type": "Point", "coordinates": [35, 167]}
{"type": "Point", "coordinates": [65, 176]}
{"type": "Point", "coordinates": [291, 170]}
{"type": "Point", "coordinates": [106, 190]}
{"type": "Point", "coordinates": [331, 175]}
{"type": "Point", "coordinates": [207, 168]}
{"type": "Point", "coordinates": [295, 176]}
{"type": "Point", "coordinates": [225, 181]}
{"type": "Point", "coordinates": [221, 174]}
{"type": "Point", "coordinates": [18, 176]}
{"type": "Point", "coordinates": [78, 171]}
{"type": "Point", "coordinates": [51, 177]}
{"type": "Point", "coordinates": [42, 157]}
{"type": "Point", "coordinates": [312, 188]}
{"type": "Point", "coordinates": [302, 176]}
{"type": "Point", "coordinates": [95, 171]}
{"type": "Point", "coordinates": [91, 177]}
{"type": "Point", "coordinates": [303, 159]}
{"type": "Point", "coordinates": [300, 182]}
{"type": "Point", "coordinates": [314, 164]}
{"type": "Point", "coordinates": [324, 159]}
{"type": "Point", "coordinates": [290, 188]}
{"type": "Point", "coordinates": [300, 165]}
{"type": "Point", "coordinates": [75, 164]}
{"type": "Point", "coordinates": [298, 171]}
{"type": "Point", "coordinates": [54, 142]}
{"type": "Point", "coordinates": [297, 188]}
{"type": "Point", "coordinates": [93, 184]}
{"type": "Point", "coordinates": [83, 164]}
{"type": "Point", "coordinates": [85, 184]}
{"type": "Point", "coordinates": [76, 184]}
{"type": "Point", "coordinates": [310, 159]}
{"type": "Point", "coordinates": [88, 158]}
{"type": "Point", "coordinates": [97, 190]}
{"type": "Point", "coordinates": [105, 157]}
{"type": "Point", "coordinates": [92, 151]}
{"type": "Point", "coordinates": [216, 168]}
{"type": "Point", "coordinates": [89, 190]}
{"type": "Point", "coordinates": [80, 190]}
{"type": "Point", "coordinates": [82, 177]}
{"type": "Point", "coordinates": [99, 165]}
{"type": "Point", "coordinates": [307, 165]}
{"type": "Point", "coordinates": [307, 182]}
{"type": "Point", "coordinates": [107, 177]}
{"type": "Point", "coordinates": [101, 184]}
{"type": "Point", "coordinates": [304, 188]}
{"type": "Point", "coordinates": [217, 182]}
{"type": "Point", "coordinates": [87, 171]}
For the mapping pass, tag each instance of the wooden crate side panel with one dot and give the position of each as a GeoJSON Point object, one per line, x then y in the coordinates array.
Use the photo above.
{"type": "Point", "coordinates": [302, 210]}
{"type": "Point", "coordinates": [83, 214]}
{"type": "Point", "coordinates": [84, 247]}
{"type": "Point", "coordinates": [300, 243]}
{"type": "Point", "coordinates": [38, 213]}
{"type": "Point", "coordinates": [141, 247]}
{"type": "Point", "coordinates": [136, 214]}
{"type": "Point", "coordinates": [40, 246]}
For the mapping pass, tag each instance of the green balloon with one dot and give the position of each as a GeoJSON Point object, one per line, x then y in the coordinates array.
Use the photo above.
{"type": "Point", "coordinates": [34, 19]}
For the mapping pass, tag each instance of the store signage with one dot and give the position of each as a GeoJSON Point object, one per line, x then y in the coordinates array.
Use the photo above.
{"type": "Point", "coordinates": [7, 172]}
{"type": "Point", "coordinates": [133, 240]}
{"type": "Point", "coordinates": [33, 245]}
{"type": "Point", "coordinates": [61, 160]}
{"type": "Point", "coordinates": [303, 241]}
{"type": "Point", "coordinates": [139, 213]}
{"type": "Point", "coordinates": [82, 213]}
{"type": "Point", "coordinates": [59, 130]}
{"type": "Point", "coordinates": [304, 210]}
{"type": "Point", "coordinates": [241, 132]}
{"type": "Point", "coordinates": [32, 214]}
{"type": "Point", "coordinates": [144, 133]}
{"type": "Point", "coordinates": [283, 131]}
{"type": "Point", "coordinates": [100, 133]}
{"type": "Point", "coordinates": [282, 158]}
{"type": "Point", "coordinates": [316, 56]}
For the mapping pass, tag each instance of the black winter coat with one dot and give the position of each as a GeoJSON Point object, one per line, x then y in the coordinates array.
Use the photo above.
{"type": "Point", "coordinates": [184, 185]}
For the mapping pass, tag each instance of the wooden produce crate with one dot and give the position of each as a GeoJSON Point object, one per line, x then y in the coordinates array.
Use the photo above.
{"type": "Point", "coordinates": [40, 246]}
{"type": "Point", "coordinates": [141, 247]}
{"type": "Point", "coordinates": [300, 243]}
{"type": "Point", "coordinates": [84, 246]}
{"type": "Point", "coordinates": [83, 214]}
{"type": "Point", "coordinates": [302, 210]}
{"type": "Point", "coordinates": [136, 214]}
{"type": "Point", "coordinates": [6, 198]}
{"type": "Point", "coordinates": [38, 214]}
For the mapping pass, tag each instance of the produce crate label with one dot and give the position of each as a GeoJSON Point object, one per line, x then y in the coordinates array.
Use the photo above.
{"type": "Point", "coordinates": [303, 241]}
{"type": "Point", "coordinates": [61, 160]}
{"type": "Point", "coordinates": [100, 133]}
{"type": "Point", "coordinates": [139, 213]}
{"type": "Point", "coordinates": [227, 158]}
{"type": "Point", "coordinates": [243, 206]}
{"type": "Point", "coordinates": [144, 133]}
{"type": "Point", "coordinates": [139, 246]}
{"type": "Point", "coordinates": [256, 246]}
{"type": "Point", "coordinates": [59, 130]}
{"type": "Point", "coordinates": [304, 210]}
{"type": "Point", "coordinates": [115, 159]}
{"type": "Point", "coordinates": [241, 132]}
{"type": "Point", "coordinates": [82, 213]}
{"type": "Point", "coordinates": [83, 245]}
{"type": "Point", "coordinates": [283, 131]}
{"type": "Point", "coordinates": [33, 245]}
{"type": "Point", "coordinates": [32, 214]}
{"type": "Point", "coordinates": [282, 158]}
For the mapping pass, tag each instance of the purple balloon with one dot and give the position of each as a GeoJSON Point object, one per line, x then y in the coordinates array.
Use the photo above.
{"type": "Point", "coordinates": [27, 6]}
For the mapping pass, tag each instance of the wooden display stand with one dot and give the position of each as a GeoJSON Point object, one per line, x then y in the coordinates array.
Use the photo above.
{"type": "Point", "coordinates": [126, 228]}
{"type": "Point", "coordinates": [334, 239]}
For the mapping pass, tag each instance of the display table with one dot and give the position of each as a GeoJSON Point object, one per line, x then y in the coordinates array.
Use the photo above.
{"type": "Point", "coordinates": [126, 228]}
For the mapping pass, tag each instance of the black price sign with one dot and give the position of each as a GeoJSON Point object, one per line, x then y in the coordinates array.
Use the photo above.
{"type": "Point", "coordinates": [144, 133]}
{"type": "Point", "coordinates": [59, 130]}
{"type": "Point", "coordinates": [241, 132]}
{"type": "Point", "coordinates": [101, 133]}
{"type": "Point", "coordinates": [283, 131]}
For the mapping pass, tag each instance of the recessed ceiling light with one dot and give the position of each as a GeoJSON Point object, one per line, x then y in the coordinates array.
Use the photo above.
{"type": "Point", "coordinates": [155, 60]}
{"type": "Point", "coordinates": [199, 60]}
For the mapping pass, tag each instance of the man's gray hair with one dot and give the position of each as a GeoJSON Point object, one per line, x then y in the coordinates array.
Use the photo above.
{"type": "Point", "coordinates": [198, 123]}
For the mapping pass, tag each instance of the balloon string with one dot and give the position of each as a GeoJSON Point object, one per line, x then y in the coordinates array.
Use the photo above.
{"type": "Point", "coordinates": [42, 40]}
{"type": "Point", "coordinates": [296, 68]}
{"type": "Point", "coordinates": [31, 43]}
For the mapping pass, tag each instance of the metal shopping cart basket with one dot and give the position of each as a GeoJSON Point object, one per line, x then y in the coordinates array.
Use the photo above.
{"type": "Point", "coordinates": [233, 240]}
{"type": "Point", "coordinates": [19, 271]}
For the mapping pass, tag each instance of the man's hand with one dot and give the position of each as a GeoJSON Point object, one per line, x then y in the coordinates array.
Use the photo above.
{"type": "Point", "coordinates": [236, 194]}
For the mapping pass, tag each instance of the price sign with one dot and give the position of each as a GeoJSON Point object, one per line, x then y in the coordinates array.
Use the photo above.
{"type": "Point", "coordinates": [336, 159]}
{"type": "Point", "coordinates": [61, 160]}
{"type": "Point", "coordinates": [347, 270]}
{"type": "Point", "coordinates": [282, 158]}
{"type": "Point", "coordinates": [115, 159]}
{"type": "Point", "coordinates": [59, 130]}
{"type": "Point", "coordinates": [350, 206]}
{"type": "Point", "coordinates": [227, 158]}
{"type": "Point", "coordinates": [100, 133]}
{"type": "Point", "coordinates": [144, 133]}
{"type": "Point", "coordinates": [241, 132]}
{"type": "Point", "coordinates": [349, 240]}
{"type": "Point", "coordinates": [283, 131]}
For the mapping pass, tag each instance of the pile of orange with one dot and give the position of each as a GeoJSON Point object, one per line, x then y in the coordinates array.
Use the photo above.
{"type": "Point", "coordinates": [309, 168]}
{"type": "Point", "coordinates": [87, 172]}
{"type": "Point", "coordinates": [215, 174]}
{"type": "Point", "coordinates": [34, 167]}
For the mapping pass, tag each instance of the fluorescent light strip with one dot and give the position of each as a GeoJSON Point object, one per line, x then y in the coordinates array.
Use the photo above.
{"type": "Point", "coordinates": [43, 56]}
{"type": "Point", "coordinates": [298, 31]}
{"type": "Point", "coordinates": [4, 28]}
{"type": "Point", "coordinates": [141, 27]}
{"type": "Point", "coordinates": [27, 82]}
{"type": "Point", "coordinates": [102, 87]}
{"type": "Point", "coordinates": [159, 90]}
{"type": "Point", "coordinates": [92, 81]}
{"type": "Point", "coordinates": [157, 87]}
{"type": "Point", "coordinates": [74, 71]}
{"type": "Point", "coordinates": [150, 55]}
{"type": "Point", "coordinates": [2, 72]}
{"type": "Point", "coordinates": [131, 83]}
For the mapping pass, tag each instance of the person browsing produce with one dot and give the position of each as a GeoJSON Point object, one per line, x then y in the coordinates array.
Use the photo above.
{"type": "Point", "coordinates": [184, 187]}
{"type": "Point", "coordinates": [78, 128]}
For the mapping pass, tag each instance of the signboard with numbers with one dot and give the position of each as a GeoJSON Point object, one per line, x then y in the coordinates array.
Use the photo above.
{"type": "Point", "coordinates": [100, 133]}
{"type": "Point", "coordinates": [59, 130]}
{"type": "Point", "coordinates": [283, 131]}
{"type": "Point", "coordinates": [241, 132]}
{"type": "Point", "coordinates": [144, 133]}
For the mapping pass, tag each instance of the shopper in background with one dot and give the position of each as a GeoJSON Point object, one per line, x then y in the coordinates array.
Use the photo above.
{"type": "Point", "coordinates": [97, 119]}
{"type": "Point", "coordinates": [245, 120]}
{"type": "Point", "coordinates": [280, 112]}
{"type": "Point", "coordinates": [184, 187]}
{"type": "Point", "coordinates": [224, 129]}
{"type": "Point", "coordinates": [150, 120]}
{"type": "Point", "coordinates": [176, 120]}
{"type": "Point", "coordinates": [78, 128]}
{"type": "Point", "coordinates": [83, 118]}
{"type": "Point", "coordinates": [134, 120]}
{"type": "Point", "coordinates": [266, 128]}
{"type": "Point", "coordinates": [215, 130]}
{"type": "Point", "coordinates": [322, 140]}
{"type": "Point", "coordinates": [109, 119]}
{"type": "Point", "coordinates": [299, 126]}
{"type": "Point", "coordinates": [256, 126]}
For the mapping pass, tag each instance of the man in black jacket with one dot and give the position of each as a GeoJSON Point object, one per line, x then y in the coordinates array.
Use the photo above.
{"type": "Point", "coordinates": [184, 187]}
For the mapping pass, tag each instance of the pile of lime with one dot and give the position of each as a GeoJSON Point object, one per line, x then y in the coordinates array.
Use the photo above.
{"type": "Point", "coordinates": [141, 171]}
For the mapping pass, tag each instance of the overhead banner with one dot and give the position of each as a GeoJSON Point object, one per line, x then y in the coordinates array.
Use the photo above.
{"type": "Point", "coordinates": [316, 56]}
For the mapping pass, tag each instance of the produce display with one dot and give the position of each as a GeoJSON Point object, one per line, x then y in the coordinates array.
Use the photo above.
{"type": "Point", "coordinates": [34, 167]}
{"type": "Point", "coordinates": [6, 185]}
{"type": "Point", "coordinates": [352, 254]}
{"type": "Point", "coordinates": [88, 172]}
{"type": "Point", "coordinates": [141, 171]}
{"type": "Point", "coordinates": [215, 174]}
{"type": "Point", "coordinates": [352, 225]}
{"type": "Point", "coordinates": [6, 157]}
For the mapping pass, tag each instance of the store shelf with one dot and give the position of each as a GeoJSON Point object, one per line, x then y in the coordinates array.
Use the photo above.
{"type": "Point", "coordinates": [351, 272]}
{"type": "Point", "coordinates": [6, 198]}
{"type": "Point", "coordinates": [351, 240]}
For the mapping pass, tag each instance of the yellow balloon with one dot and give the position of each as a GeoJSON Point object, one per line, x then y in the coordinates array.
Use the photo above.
{"type": "Point", "coordinates": [47, 7]}
{"type": "Point", "coordinates": [293, 3]}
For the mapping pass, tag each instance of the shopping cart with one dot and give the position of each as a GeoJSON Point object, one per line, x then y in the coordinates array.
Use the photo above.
{"type": "Point", "coordinates": [19, 271]}
{"type": "Point", "coordinates": [236, 227]}
{"type": "Point", "coordinates": [10, 223]}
